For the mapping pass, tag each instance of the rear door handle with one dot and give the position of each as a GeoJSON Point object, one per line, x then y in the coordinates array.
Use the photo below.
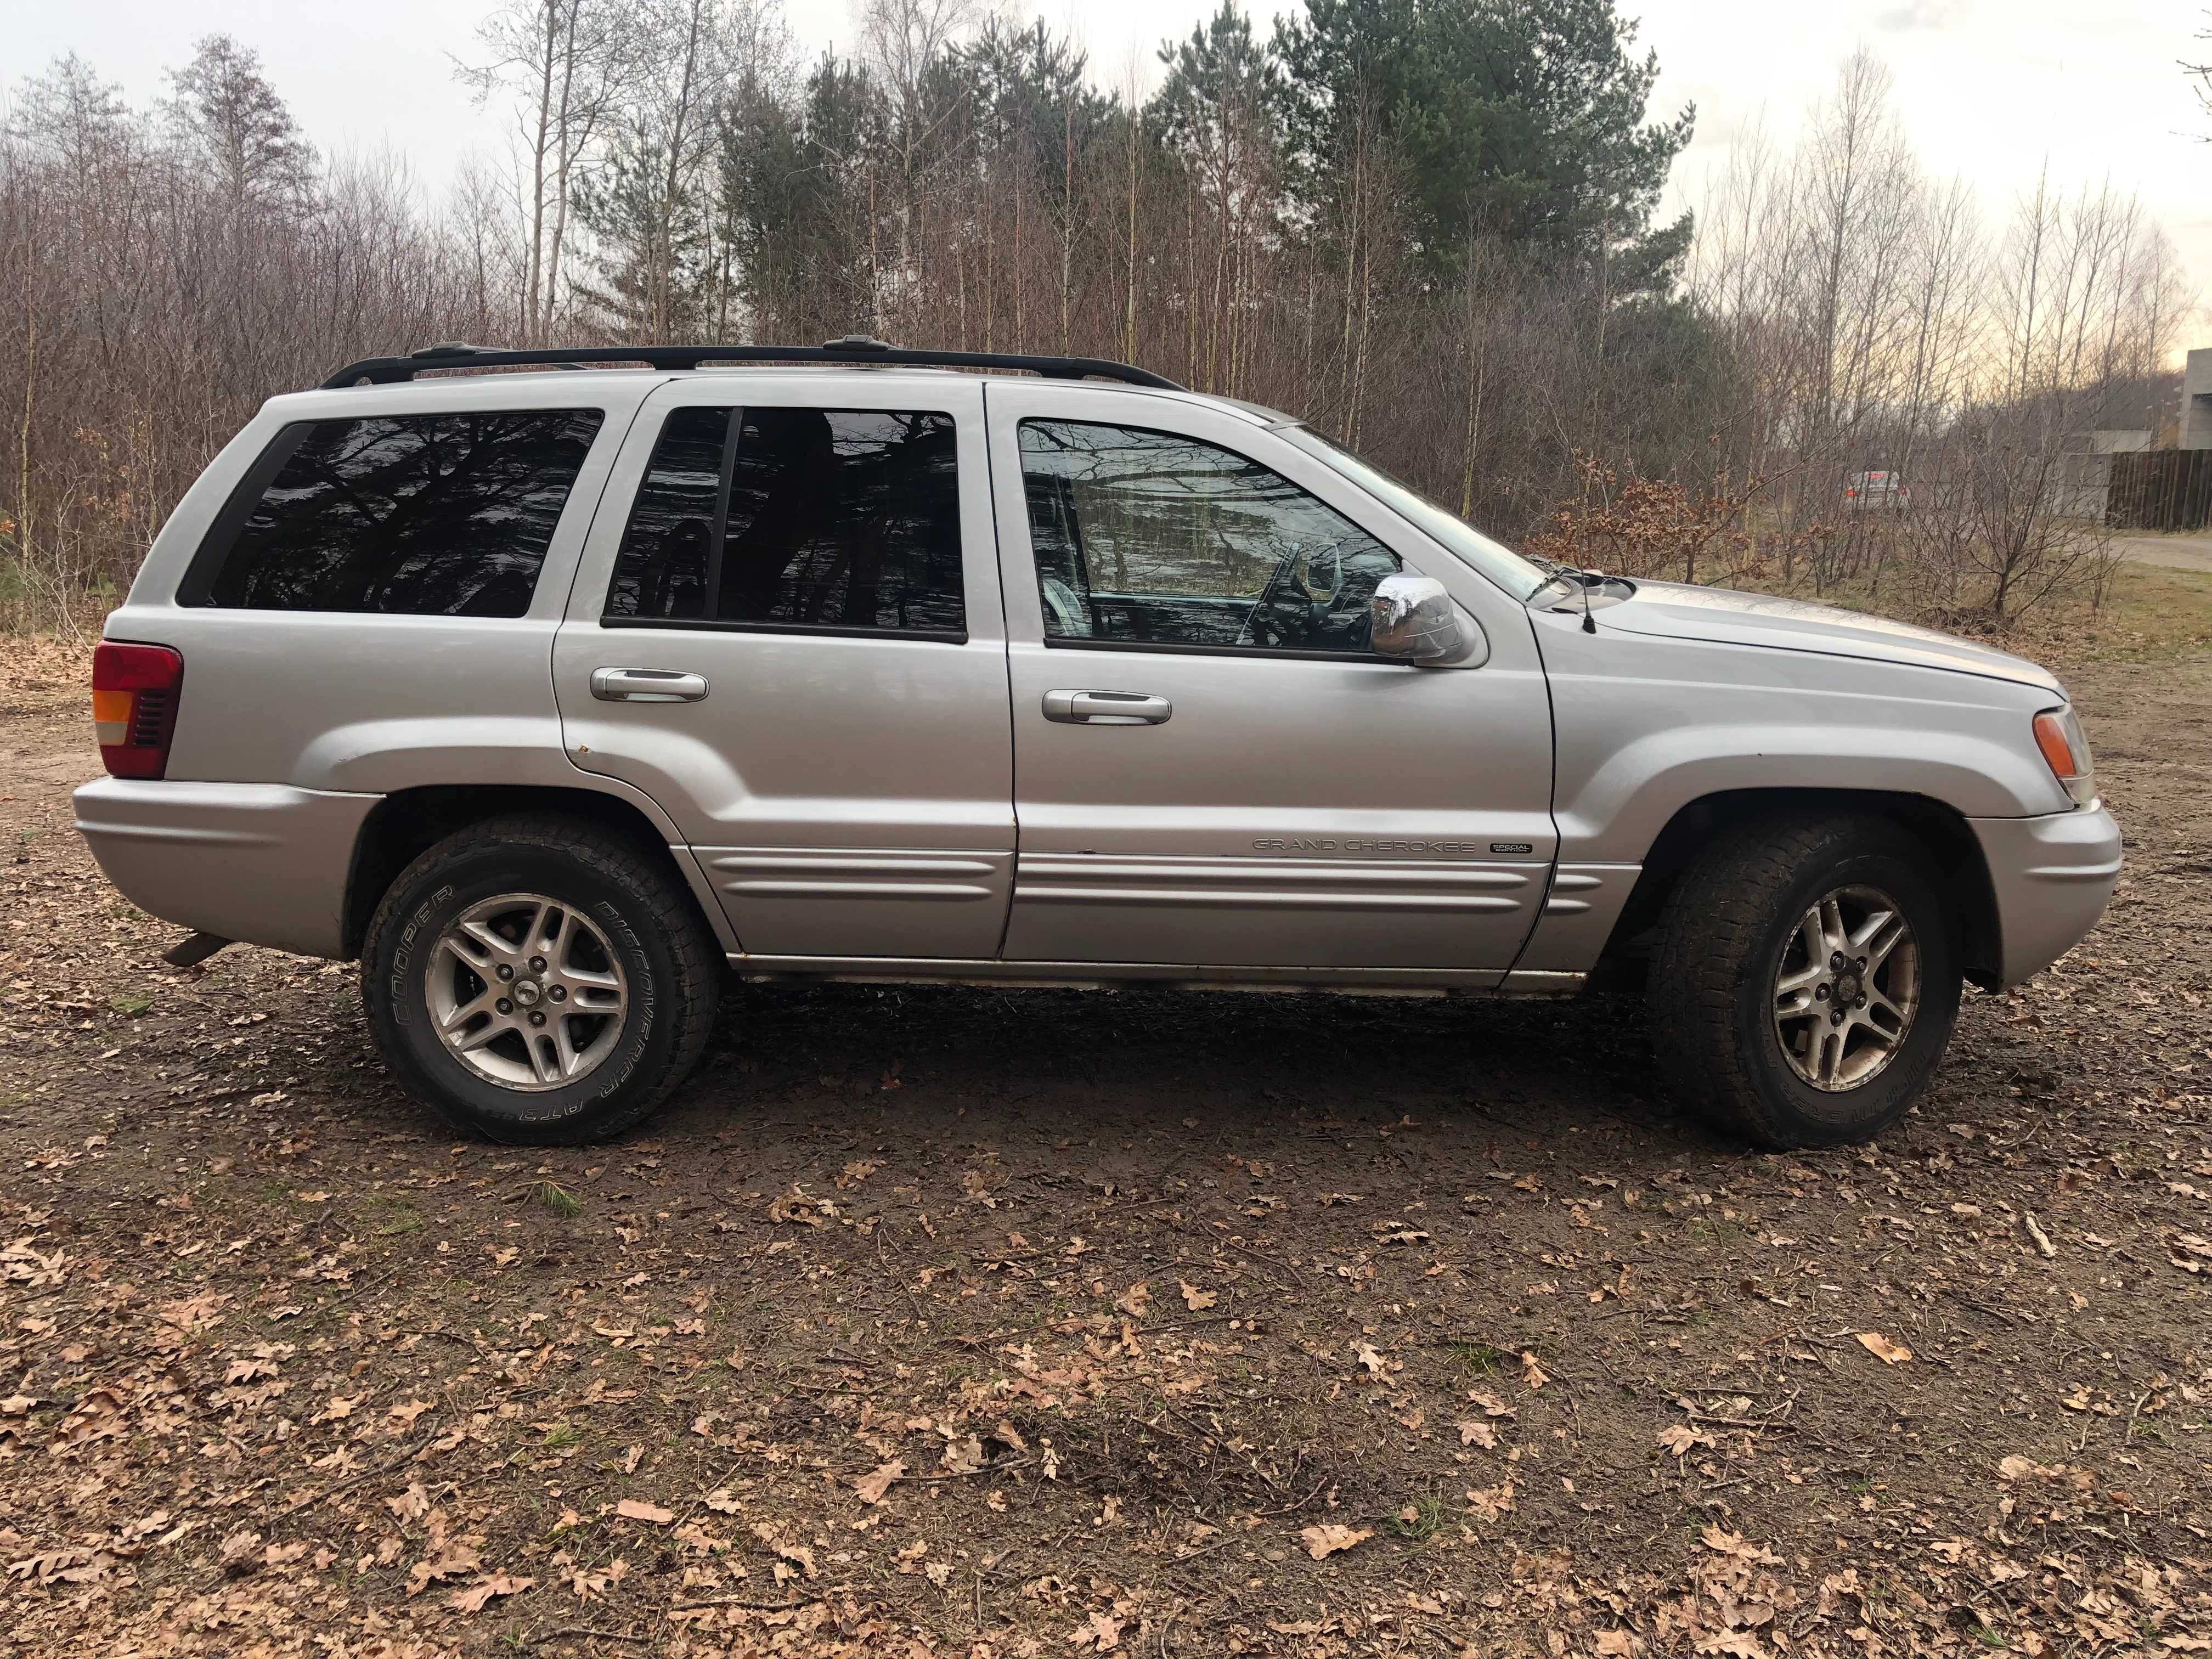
{"type": "Point", "coordinates": [1106, 708]}
{"type": "Point", "coordinates": [646, 685]}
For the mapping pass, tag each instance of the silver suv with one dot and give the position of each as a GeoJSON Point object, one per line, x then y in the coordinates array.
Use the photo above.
{"type": "Point", "coordinates": [555, 696]}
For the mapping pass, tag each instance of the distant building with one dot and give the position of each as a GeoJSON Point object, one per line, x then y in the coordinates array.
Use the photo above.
{"type": "Point", "coordinates": [2085, 470]}
{"type": "Point", "coordinates": [2196, 400]}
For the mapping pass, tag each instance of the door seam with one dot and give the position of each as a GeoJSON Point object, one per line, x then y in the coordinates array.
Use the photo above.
{"type": "Point", "coordinates": [1006, 670]}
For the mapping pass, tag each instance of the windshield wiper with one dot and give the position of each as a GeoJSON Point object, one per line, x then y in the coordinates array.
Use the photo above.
{"type": "Point", "coordinates": [1583, 580]}
{"type": "Point", "coordinates": [1567, 575]}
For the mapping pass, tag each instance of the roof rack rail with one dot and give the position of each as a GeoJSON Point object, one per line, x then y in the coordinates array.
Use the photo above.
{"type": "Point", "coordinates": [852, 349]}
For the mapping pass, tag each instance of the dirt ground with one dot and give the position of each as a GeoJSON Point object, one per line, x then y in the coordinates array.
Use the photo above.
{"type": "Point", "coordinates": [2175, 552]}
{"type": "Point", "coordinates": [973, 1323]}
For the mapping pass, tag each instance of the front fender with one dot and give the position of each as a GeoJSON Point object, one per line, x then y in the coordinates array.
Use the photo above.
{"type": "Point", "coordinates": [1645, 726]}
{"type": "Point", "coordinates": [1620, 805]}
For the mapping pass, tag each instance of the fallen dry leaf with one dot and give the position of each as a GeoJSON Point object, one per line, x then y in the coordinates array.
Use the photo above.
{"type": "Point", "coordinates": [2189, 1252]}
{"type": "Point", "coordinates": [1474, 1432]}
{"type": "Point", "coordinates": [1195, 1299]}
{"type": "Point", "coordinates": [632, 1509]}
{"type": "Point", "coordinates": [412, 1504]}
{"type": "Point", "coordinates": [1889, 1352]}
{"type": "Point", "coordinates": [1489, 1503]}
{"type": "Point", "coordinates": [1678, 1439]}
{"type": "Point", "coordinates": [449, 1562]}
{"type": "Point", "coordinates": [1101, 1633]}
{"type": "Point", "coordinates": [585, 1582]}
{"type": "Point", "coordinates": [795, 1553]}
{"type": "Point", "coordinates": [1327, 1538]}
{"type": "Point", "coordinates": [797, 1206]}
{"type": "Point", "coordinates": [471, 1598]}
{"type": "Point", "coordinates": [872, 1485]}
{"type": "Point", "coordinates": [1721, 1542]}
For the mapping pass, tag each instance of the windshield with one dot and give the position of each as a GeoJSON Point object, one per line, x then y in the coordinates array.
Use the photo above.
{"type": "Point", "coordinates": [1515, 574]}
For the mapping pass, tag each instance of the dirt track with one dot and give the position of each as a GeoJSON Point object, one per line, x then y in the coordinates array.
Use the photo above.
{"type": "Point", "coordinates": [1151, 1326]}
{"type": "Point", "coordinates": [2175, 552]}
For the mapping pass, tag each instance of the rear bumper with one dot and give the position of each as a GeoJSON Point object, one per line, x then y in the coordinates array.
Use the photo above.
{"type": "Point", "coordinates": [264, 864]}
{"type": "Point", "coordinates": [2052, 876]}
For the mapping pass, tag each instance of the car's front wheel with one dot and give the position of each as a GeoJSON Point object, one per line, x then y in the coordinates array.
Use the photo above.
{"type": "Point", "coordinates": [1805, 981]}
{"type": "Point", "coordinates": [538, 981]}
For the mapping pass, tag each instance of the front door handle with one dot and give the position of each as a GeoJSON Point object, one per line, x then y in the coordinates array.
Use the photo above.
{"type": "Point", "coordinates": [646, 685]}
{"type": "Point", "coordinates": [1106, 708]}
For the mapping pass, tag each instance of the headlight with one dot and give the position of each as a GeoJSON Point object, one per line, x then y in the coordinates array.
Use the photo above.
{"type": "Point", "coordinates": [2066, 751]}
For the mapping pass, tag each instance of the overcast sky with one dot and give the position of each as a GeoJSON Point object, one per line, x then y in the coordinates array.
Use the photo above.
{"type": "Point", "coordinates": [1989, 89]}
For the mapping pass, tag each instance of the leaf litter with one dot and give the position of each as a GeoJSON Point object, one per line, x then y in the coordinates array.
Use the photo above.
{"type": "Point", "coordinates": [1075, 1341]}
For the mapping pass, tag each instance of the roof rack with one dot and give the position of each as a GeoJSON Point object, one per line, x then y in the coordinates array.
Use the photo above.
{"type": "Point", "coordinates": [852, 349]}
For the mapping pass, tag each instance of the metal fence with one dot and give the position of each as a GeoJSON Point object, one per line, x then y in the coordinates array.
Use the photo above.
{"type": "Point", "coordinates": [2160, 489]}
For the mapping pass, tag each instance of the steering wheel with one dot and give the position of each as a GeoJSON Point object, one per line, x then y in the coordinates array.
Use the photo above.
{"type": "Point", "coordinates": [1302, 581]}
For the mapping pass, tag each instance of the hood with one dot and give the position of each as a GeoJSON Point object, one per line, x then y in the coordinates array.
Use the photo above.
{"type": "Point", "coordinates": [1672, 610]}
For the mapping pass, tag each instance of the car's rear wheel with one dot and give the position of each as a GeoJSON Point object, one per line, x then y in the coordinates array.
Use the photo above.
{"type": "Point", "coordinates": [1805, 981]}
{"type": "Point", "coordinates": [538, 981]}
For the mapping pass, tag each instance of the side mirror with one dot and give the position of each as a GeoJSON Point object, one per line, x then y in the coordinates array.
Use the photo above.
{"type": "Point", "coordinates": [1413, 620]}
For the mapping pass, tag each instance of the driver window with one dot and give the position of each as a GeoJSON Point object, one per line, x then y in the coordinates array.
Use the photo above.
{"type": "Point", "coordinates": [1154, 538]}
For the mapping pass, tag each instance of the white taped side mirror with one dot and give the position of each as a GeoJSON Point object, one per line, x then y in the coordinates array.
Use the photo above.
{"type": "Point", "coordinates": [1412, 619]}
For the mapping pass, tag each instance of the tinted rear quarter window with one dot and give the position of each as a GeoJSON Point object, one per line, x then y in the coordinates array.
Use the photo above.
{"type": "Point", "coordinates": [406, 515]}
{"type": "Point", "coordinates": [668, 546]}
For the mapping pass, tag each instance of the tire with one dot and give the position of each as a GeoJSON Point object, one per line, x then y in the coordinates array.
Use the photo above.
{"type": "Point", "coordinates": [1773, 1067]}
{"type": "Point", "coordinates": [452, 943]}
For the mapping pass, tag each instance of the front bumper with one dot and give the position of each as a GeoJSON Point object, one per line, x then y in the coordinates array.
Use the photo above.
{"type": "Point", "coordinates": [264, 864]}
{"type": "Point", "coordinates": [2052, 876]}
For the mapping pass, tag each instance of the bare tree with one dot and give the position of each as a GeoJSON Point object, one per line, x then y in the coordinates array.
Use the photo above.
{"type": "Point", "coordinates": [226, 113]}
{"type": "Point", "coordinates": [568, 63]}
{"type": "Point", "coordinates": [647, 202]}
{"type": "Point", "coordinates": [1884, 332]}
{"type": "Point", "coordinates": [163, 271]}
{"type": "Point", "coordinates": [2201, 74]}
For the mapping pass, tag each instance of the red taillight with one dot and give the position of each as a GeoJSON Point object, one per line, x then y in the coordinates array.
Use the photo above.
{"type": "Point", "coordinates": [134, 706]}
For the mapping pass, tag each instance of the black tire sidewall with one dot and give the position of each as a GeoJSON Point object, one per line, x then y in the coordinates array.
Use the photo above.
{"type": "Point", "coordinates": [394, 977]}
{"type": "Point", "coordinates": [1808, 1116]}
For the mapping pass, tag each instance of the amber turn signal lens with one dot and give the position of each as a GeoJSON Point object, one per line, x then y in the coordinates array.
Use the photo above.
{"type": "Point", "coordinates": [134, 706]}
{"type": "Point", "coordinates": [2066, 751]}
{"type": "Point", "coordinates": [2051, 739]}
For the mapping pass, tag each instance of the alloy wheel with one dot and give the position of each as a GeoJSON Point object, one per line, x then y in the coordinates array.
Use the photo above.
{"type": "Point", "coordinates": [1846, 988]}
{"type": "Point", "coordinates": [524, 991]}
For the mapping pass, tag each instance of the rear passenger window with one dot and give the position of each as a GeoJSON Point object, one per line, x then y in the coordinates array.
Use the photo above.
{"type": "Point", "coordinates": [833, 520]}
{"type": "Point", "coordinates": [438, 515]}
